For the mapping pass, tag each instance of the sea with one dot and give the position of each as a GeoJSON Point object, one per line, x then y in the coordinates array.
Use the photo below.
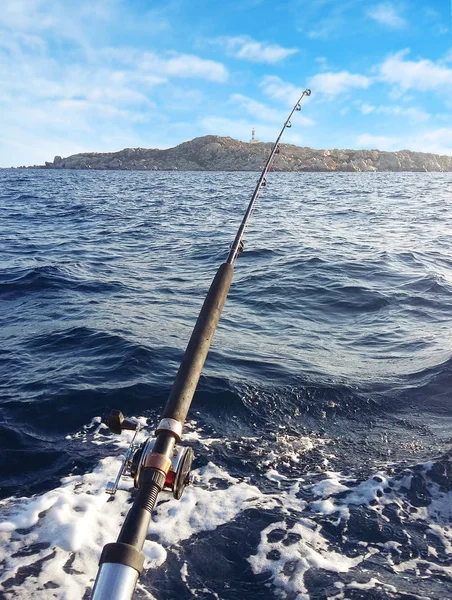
{"type": "Point", "coordinates": [321, 426]}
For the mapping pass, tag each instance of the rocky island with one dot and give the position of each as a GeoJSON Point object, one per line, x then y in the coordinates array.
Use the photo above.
{"type": "Point", "coordinates": [214, 153]}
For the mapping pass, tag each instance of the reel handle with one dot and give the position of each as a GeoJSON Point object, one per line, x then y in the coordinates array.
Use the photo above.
{"type": "Point", "coordinates": [117, 422]}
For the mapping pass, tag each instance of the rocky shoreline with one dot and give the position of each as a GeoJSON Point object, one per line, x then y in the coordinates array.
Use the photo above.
{"type": "Point", "coordinates": [214, 153]}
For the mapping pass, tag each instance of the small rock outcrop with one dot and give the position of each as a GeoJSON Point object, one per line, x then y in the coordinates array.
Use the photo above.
{"type": "Point", "coordinates": [214, 153]}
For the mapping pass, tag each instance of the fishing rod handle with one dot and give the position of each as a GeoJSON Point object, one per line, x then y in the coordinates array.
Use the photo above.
{"type": "Point", "coordinates": [195, 355]}
{"type": "Point", "coordinates": [121, 562]}
{"type": "Point", "coordinates": [115, 582]}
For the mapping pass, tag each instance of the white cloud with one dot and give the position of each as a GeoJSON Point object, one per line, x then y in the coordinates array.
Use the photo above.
{"type": "Point", "coordinates": [333, 84]}
{"type": "Point", "coordinates": [263, 113]}
{"type": "Point", "coordinates": [434, 20]}
{"type": "Point", "coordinates": [118, 95]}
{"type": "Point", "coordinates": [386, 15]}
{"type": "Point", "coordinates": [33, 149]}
{"type": "Point", "coordinates": [23, 15]}
{"type": "Point", "coordinates": [154, 21]}
{"type": "Point", "coordinates": [436, 141]}
{"type": "Point", "coordinates": [379, 142]}
{"type": "Point", "coordinates": [366, 109]}
{"type": "Point", "coordinates": [324, 19]}
{"type": "Point", "coordinates": [105, 111]}
{"type": "Point", "coordinates": [244, 47]}
{"type": "Point", "coordinates": [165, 65]}
{"type": "Point", "coordinates": [89, 103]}
{"type": "Point", "coordinates": [187, 65]}
{"type": "Point", "coordinates": [73, 20]}
{"type": "Point", "coordinates": [38, 15]}
{"type": "Point", "coordinates": [276, 88]}
{"type": "Point", "coordinates": [256, 109]}
{"type": "Point", "coordinates": [423, 75]}
{"type": "Point", "coordinates": [403, 112]}
{"type": "Point", "coordinates": [183, 100]}
{"type": "Point", "coordinates": [64, 90]}
{"type": "Point", "coordinates": [324, 29]}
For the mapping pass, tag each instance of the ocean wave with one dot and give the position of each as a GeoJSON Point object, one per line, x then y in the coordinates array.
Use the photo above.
{"type": "Point", "coordinates": [53, 277]}
{"type": "Point", "coordinates": [321, 424]}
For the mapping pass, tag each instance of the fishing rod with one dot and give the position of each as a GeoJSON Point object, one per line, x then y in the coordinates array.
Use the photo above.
{"type": "Point", "coordinates": [157, 465]}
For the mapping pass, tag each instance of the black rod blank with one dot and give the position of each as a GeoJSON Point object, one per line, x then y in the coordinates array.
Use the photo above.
{"type": "Point", "coordinates": [122, 562]}
{"type": "Point", "coordinates": [195, 355]}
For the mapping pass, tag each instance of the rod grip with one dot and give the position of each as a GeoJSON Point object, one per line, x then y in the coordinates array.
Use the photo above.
{"type": "Point", "coordinates": [195, 355]}
{"type": "Point", "coordinates": [134, 529]}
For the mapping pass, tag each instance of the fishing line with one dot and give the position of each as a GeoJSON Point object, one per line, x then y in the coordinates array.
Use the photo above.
{"type": "Point", "coordinates": [261, 182]}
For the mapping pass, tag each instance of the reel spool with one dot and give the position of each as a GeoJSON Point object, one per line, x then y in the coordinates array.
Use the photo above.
{"type": "Point", "coordinates": [178, 476]}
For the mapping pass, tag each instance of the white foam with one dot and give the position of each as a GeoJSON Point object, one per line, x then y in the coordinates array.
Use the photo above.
{"type": "Point", "coordinates": [74, 521]}
{"type": "Point", "coordinates": [370, 585]}
{"type": "Point", "coordinates": [205, 509]}
{"type": "Point", "coordinates": [288, 564]}
{"type": "Point", "coordinates": [155, 554]}
{"type": "Point", "coordinates": [329, 486]}
{"type": "Point", "coordinates": [273, 475]}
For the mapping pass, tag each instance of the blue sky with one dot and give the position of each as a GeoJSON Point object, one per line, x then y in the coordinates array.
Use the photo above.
{"type": "Point", "coordinates": [102, 75]}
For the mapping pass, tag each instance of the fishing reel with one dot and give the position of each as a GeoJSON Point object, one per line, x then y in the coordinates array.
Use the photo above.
{"type": "Point", "coordinates": [178, 476]}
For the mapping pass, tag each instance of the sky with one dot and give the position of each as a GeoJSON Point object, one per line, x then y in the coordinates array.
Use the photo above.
{"type": "Point", "coordinates": [103, 75]}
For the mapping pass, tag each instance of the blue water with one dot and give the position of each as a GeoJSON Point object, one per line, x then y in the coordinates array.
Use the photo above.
{"type": "Point", "coordinates": [337, 331]}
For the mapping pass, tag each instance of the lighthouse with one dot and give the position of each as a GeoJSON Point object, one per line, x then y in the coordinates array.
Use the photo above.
{"type": "Point", "coordinates": [253, 140]}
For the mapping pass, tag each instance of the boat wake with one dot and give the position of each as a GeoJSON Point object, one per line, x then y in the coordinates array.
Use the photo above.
{"type": "Point", "coordinates": [321, 532]}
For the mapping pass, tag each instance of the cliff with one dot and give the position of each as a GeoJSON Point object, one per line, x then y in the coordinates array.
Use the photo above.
{"type": "Point", "coordinates": [214, 153]}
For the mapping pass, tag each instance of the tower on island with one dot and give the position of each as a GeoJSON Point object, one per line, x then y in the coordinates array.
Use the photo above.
{"type": "Point", "coordinates": [253, 140]}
